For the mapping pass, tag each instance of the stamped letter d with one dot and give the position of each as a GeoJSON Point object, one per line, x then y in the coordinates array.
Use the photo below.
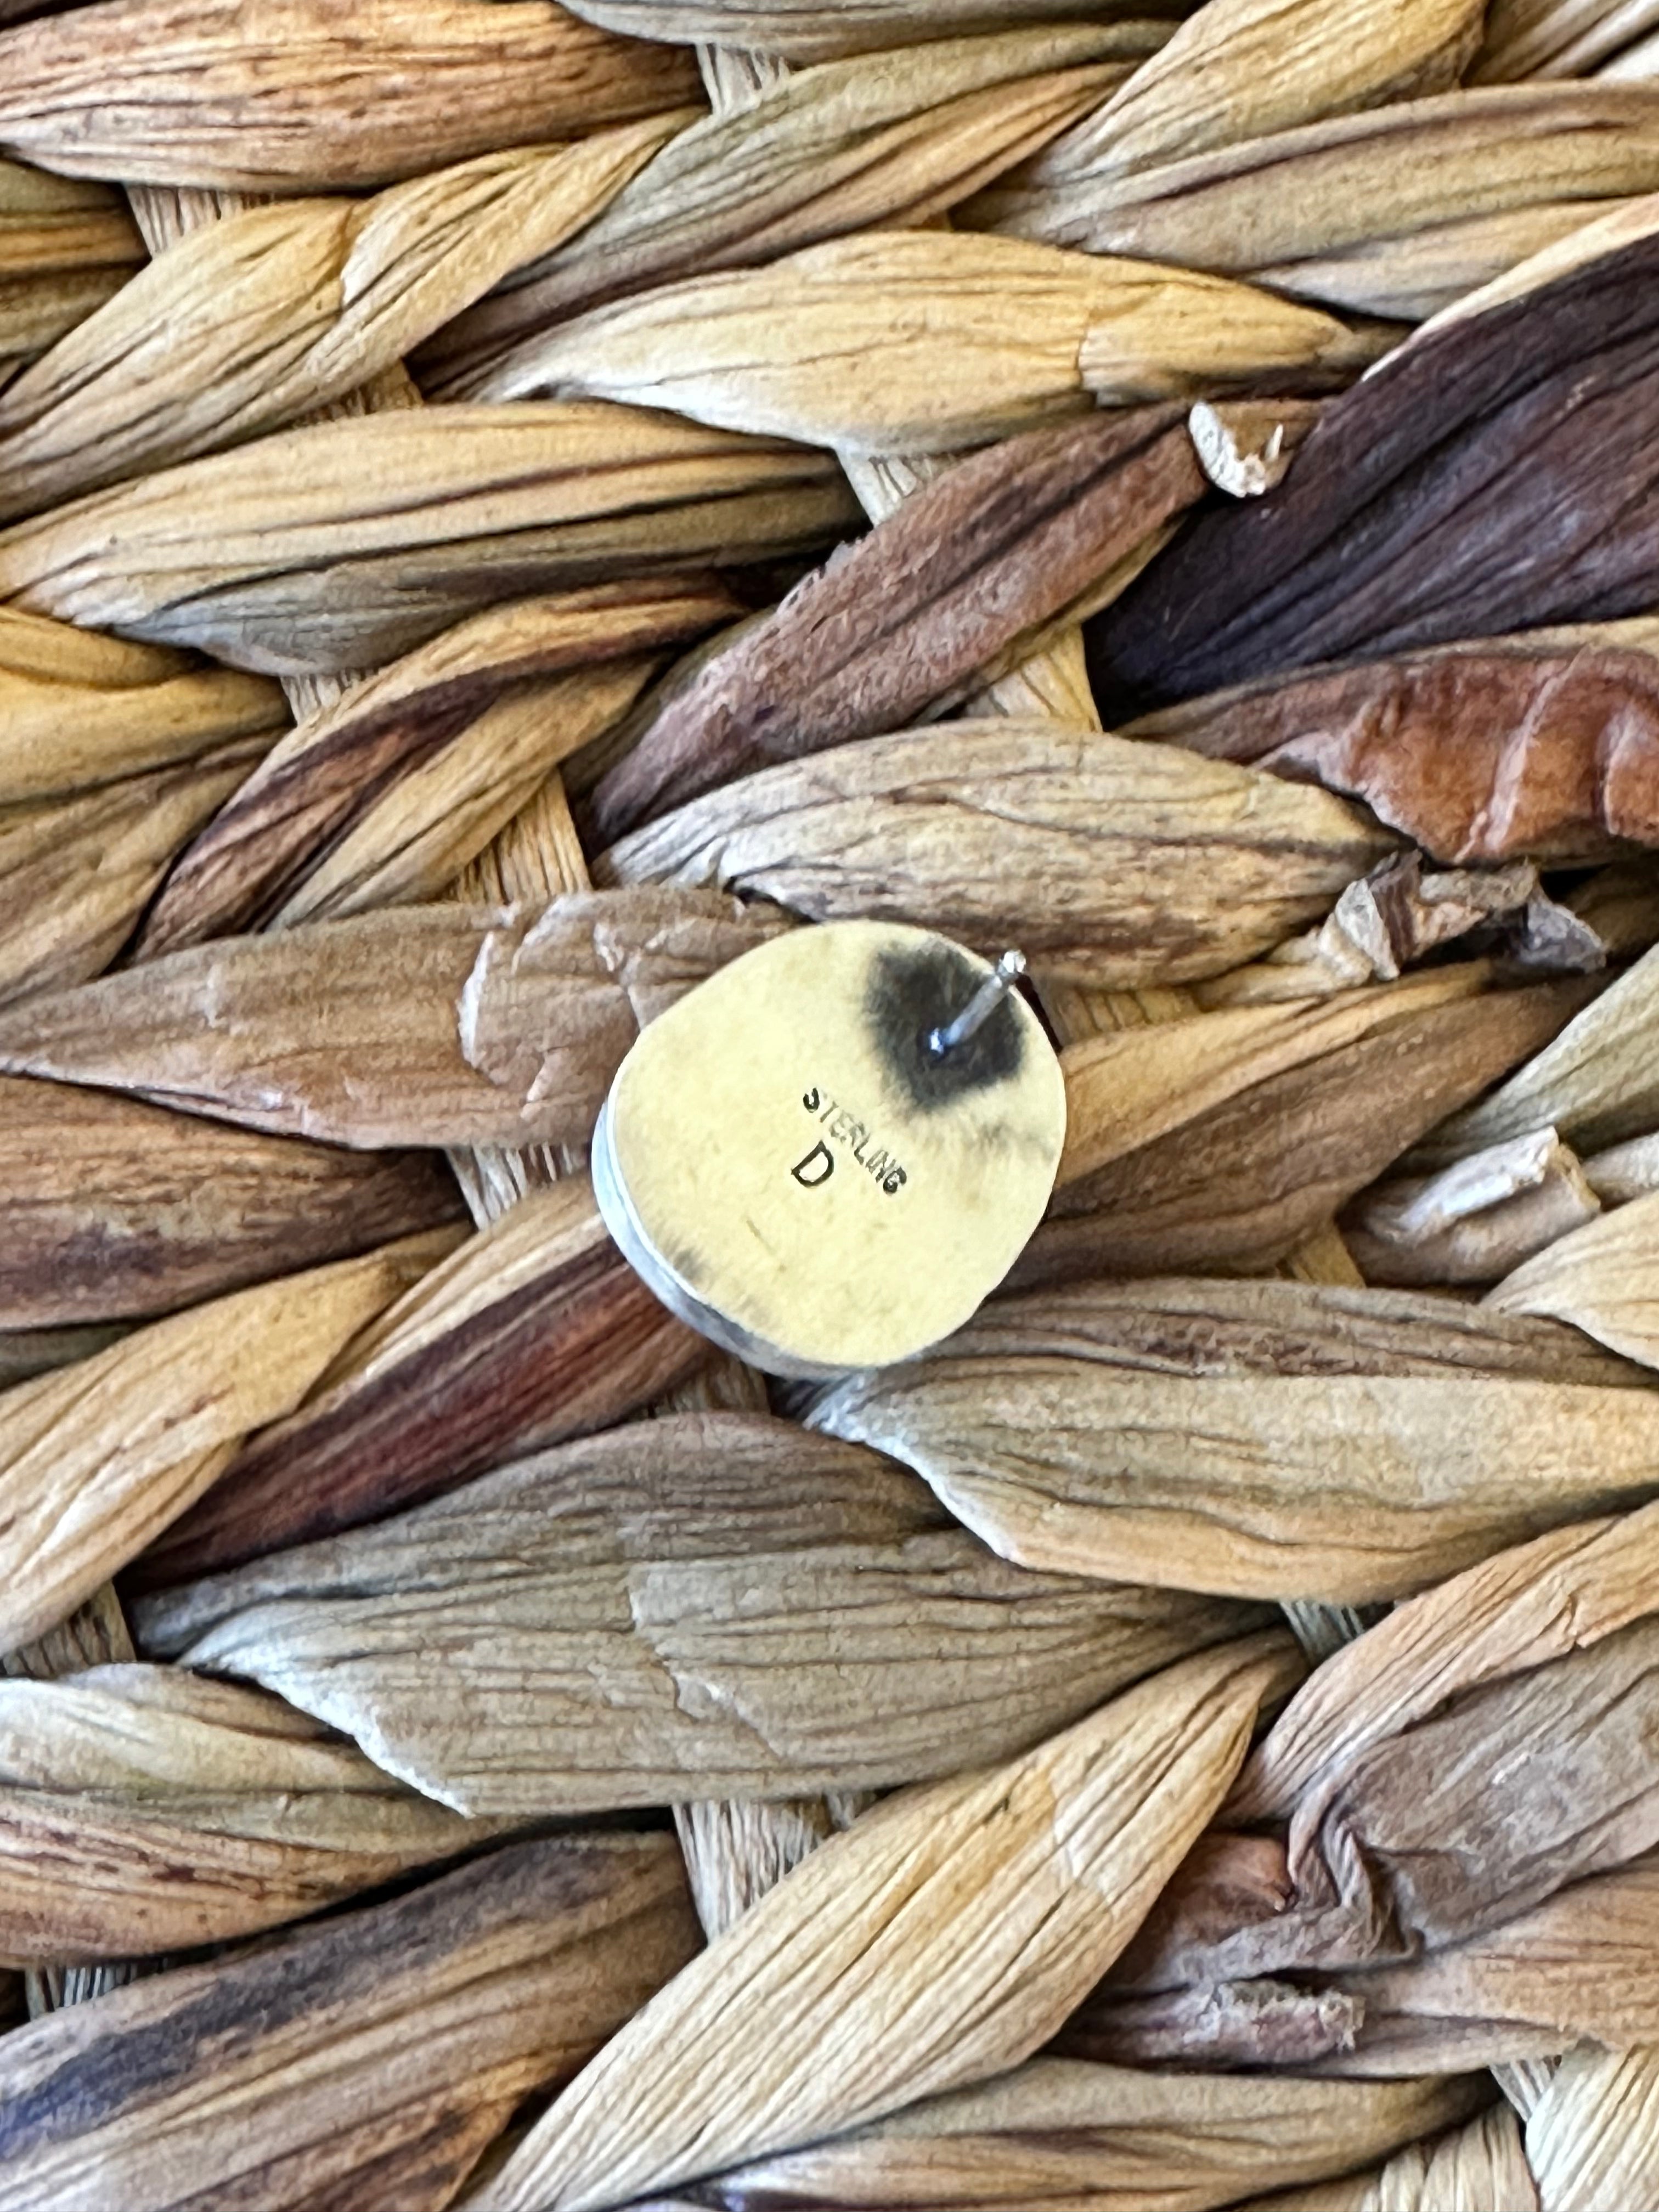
{"type": "Point", "coordinates": [820, 1152]}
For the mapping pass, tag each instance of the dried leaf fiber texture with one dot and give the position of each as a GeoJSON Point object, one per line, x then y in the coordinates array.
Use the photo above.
{"type": "Point", "coordinates": [813, 30]}
{"type": "Point", "coordinates": [1469, 1792]}
{"type": "Point", "coordinates": [706, 1604]}
{"type": "Point", "coordinates": [76, 874]}
{"type": "Point", "coordinates": [313, 95]}
{"type": "Point", "coordinates": [1481, 2164]}
{"type": "Point", "coordinates": [1594, 1082]}
{"type": "Point", "coordinates": [1475, 1815]}
{"type": "Point", "coordinates": [65, 248]}
{"type": "Point", "coordinates": [111, 757]}
{"type": "Point", "coordinates": [881, 140]}
{"type": "Point", "coordinates": [1495, 474]}
{"type": "Point", "coordinates": [100, 1457]}
{"type": "Point", "coordinates": [1108, 862]}
{"type": "Point", "coordinates": [1600, 1278]}
{"type": "Point", "coordinates": [900, 624]}
{"type": "Point", "coordinates": [1103, 2137]}
{"type": "Point", "coordinates": [1225, 1138]}
{"type": "Point", "coordinates": [431, 1025]}
{"type": "Point", "coordinates": [1555, 38]}
{"type": "Point", "coordinates": [78, 710]}
{"type": "Point", "coordinates": [324, 825]}
{"type": "Point", "coordinates": [116, 1210]}
{"type": "Point", "coordinates": [1581, 1965]}
{"type": "Point", "coordinates": [940, 1940]}
{"type": "Point", "coordinates": [534, 1330]}
{"type": "Point", "coordinates": [1481, 750]}
{"type": "Point", "coordinates": [146, 1809]}
{"type": "Point", "coordinates": [1099, 1429]}
{"type": "Point", "coordinates": [1593, 2138]}
{"type": "Point", "coordinates": [1236, 69]}
{"type": "Point", "coordinates": [1395, 211]}
{"type": "Point", "coordinates": [925, 341]}
{"type": "Point", "coordinates": [95, 1634]}
{"type": "Point", "coordinates": [1279, 998]}
{"type": "Point", "coordinates": [389, 528]}
{"type": "Point", "coordinates": [369, 2058]}
{"type": "Point", "coordinates": [247, 324]}
{"type": "Point", "coordinates": [1525, 1608]}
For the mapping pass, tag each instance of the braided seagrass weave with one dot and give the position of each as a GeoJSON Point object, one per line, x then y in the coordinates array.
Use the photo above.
{"type": "Point", "coordinates": [506, 508]}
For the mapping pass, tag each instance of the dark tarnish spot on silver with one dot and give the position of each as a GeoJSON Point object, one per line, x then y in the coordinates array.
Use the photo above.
{"type": "Point", "coordinates": [911, 993]}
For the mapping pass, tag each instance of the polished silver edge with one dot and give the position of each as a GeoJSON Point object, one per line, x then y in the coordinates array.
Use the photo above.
{"type": "Point", "coordinates": [629, 1233]}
